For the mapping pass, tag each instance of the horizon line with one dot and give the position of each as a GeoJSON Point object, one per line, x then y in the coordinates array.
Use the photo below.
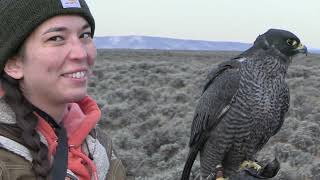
{"type": "Point", "coordinates": [186, 39]}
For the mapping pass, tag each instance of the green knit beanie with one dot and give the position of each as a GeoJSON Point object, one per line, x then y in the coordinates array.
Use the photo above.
{"type": "Point", "coordinates": [19, 18]}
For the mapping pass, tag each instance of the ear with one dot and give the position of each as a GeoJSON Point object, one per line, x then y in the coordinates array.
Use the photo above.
{"type": "Point", "coordinates": [14, 67]}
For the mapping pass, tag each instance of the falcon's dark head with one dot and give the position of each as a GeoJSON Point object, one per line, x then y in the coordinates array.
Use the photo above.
{"type": "Point", "coordinates": [284, 41]}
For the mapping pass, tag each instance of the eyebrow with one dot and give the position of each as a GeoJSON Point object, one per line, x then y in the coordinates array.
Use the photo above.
{"type": "Point", "coordinates": [55, 29]}
{"type": "Point", "coordinates": [86, 26]}
{"type": "Point", "coordinates": [58, 29]}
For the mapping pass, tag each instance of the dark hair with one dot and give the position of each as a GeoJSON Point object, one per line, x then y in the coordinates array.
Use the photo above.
{"type": "Point", "coordinates": [27, 122]}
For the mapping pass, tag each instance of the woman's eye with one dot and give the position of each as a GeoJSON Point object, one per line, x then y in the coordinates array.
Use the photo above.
{"type": "Point", "coordinates": [56, 38]}
{"type": "Point", "coordinates": [86, 35]}
{"type": "Point", "coordinates": [292, 42]}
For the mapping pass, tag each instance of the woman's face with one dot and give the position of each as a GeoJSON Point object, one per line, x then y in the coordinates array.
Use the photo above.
{"type": "Point", "coordinates": [56, 60]}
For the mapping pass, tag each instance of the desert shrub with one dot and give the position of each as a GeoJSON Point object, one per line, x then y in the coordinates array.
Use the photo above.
{"type": "Point", "coordinates": [140, 94]}
{"type": "Point", "coordinates": [300, 71]}
{"type": "Point", "coordinates": [177, 83]}
{"type": "Point", "coordinates": [315, 171]}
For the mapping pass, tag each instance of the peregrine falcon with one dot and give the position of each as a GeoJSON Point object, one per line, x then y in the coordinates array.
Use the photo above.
{"type": "Point", "coordinates": [242, 105]}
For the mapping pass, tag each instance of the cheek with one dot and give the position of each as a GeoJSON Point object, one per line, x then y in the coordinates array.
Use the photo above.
{"type": "Point", "coordinates": [92, 54]}
{"type": "Point", "coordinates": [51, 62]}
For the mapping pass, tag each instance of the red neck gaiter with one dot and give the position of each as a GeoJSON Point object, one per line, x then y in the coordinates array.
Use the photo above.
{"type": "Point", "coordinates": [79, 120]}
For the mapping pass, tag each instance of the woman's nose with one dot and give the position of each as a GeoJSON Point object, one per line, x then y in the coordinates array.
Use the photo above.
{"type": "Point", "coordinates": [78, 50]}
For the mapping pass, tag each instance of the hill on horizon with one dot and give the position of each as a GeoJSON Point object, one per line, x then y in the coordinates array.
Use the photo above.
{"type": "Point", "coordinates": [164, 43]}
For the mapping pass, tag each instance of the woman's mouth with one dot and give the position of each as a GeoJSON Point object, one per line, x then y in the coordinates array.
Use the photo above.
{"type": "Point", "coordinates": [76, 75]}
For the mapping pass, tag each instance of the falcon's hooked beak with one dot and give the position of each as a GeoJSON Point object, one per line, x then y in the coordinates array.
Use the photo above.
{"type": "Point", "coordinates": [302, 49]}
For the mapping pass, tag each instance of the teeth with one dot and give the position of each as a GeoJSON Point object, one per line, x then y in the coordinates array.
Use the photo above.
{"type": "Point", "coordinates": [77, 75]}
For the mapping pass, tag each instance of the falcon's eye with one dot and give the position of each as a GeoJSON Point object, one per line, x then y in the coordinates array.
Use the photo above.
{"type": "Point", "coordinates": [292, 43]}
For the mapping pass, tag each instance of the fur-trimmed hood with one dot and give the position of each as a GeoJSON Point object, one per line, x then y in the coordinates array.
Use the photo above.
{"type": "Point", "coordinates": [7, 116]}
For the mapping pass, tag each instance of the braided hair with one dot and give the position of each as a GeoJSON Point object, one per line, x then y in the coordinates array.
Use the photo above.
{"type": "Point", "coordinates": [26, 122]}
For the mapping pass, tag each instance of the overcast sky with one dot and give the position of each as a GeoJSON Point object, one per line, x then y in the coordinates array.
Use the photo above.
{"type": "Point", "coordinates": [213, 20]}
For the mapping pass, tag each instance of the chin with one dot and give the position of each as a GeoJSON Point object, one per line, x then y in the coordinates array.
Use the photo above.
{"type": "Point", "coordinates": [75, 97]}
{"type": "Point", "coordinates": [71, 95]}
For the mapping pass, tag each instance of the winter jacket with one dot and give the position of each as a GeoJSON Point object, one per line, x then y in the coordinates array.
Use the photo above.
{"type": "Point", "coordinates": [84, 139]}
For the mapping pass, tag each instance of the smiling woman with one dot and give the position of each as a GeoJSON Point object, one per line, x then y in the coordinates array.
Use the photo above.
{"type": "Point", "coordinates": [48, 122]}
{"type": "Point", "coordinates": [65, 53]}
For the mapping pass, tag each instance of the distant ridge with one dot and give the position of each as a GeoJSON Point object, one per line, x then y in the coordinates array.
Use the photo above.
{"type": "Point", "coordinates": [313, 50]}
{"type": "Point", "coordinates": [163, 43]}
{"type": "Point", "coordinates": [149, 42]}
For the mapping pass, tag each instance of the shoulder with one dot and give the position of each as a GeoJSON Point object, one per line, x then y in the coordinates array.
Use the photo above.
{"type": "Point", "coordinates": [226, 70]}
{"type": "Point", "coordinates": [116, 170]}
{"type": "Point", "coordinates": [10, 140]}
{"type": "Point", "coordinates": [8, 157]}
{"type": "Point", "coordinates": [13, 166]}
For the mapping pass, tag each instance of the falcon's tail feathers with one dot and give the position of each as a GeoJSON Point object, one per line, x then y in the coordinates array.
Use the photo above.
{"type": "Point", "coordinates": [189, 163]}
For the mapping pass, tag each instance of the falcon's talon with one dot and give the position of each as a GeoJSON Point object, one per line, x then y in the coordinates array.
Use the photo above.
{"type": "Point", "coordinates": [210, 177]}
{"type": "Point", "coordinates": [218, 174]}
{"type": "Point", "coordinates": [221, 178]}
{"type": "Point", "coordinates": [250, 164]}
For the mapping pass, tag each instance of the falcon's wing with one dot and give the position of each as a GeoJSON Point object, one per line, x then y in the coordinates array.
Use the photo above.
{"type": "Point", "coordinates": [222, 84]}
